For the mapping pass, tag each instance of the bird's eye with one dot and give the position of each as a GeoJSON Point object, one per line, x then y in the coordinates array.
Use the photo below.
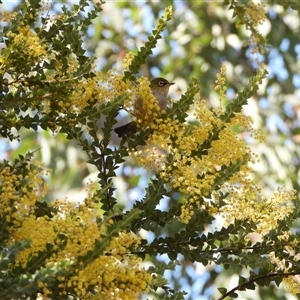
{"type": "Point", "coordinates": [161, 83]}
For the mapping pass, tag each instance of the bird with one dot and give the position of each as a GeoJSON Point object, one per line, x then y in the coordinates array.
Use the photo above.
{"type": "Point", "coordinates": [160, 88]}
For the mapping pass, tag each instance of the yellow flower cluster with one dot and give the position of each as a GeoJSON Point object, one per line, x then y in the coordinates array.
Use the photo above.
{"type": "Point", "coordinates": [146, 106]}
{"type": "Point", "coordinates": [38, 231]}
{"type": "Point", "coordinates": [255, 13]}
{"type": "Point", "coordinates": [27, 42]}
{"type": "Point", "coordinates": [220, 82]}
{"type": "Point", "coordinates": [98, 89]}
{"type": "Point", "coordinates": [149, 157]}
{"type": "Point", "coordinates": [126, 62]}
{"type": "Point", "coordinates": [291, 283]}
{"type": "Point", "coordinates": [81, 92]}
{"type": "Point", "coordinates": [138, 100]}
{"type": "Point", "coordinates": [172, 150]}
{"type": "Point", "coordinates": [7, 16]}
{"type": "Point", "coordinates": [153, 155]}
{"type": "Point", "coordinates": [81, 96]}
{"type": "Point", "coordinates": [20, 193]}
{"type": "Point", "coordinates": [242, 204]}
{"type": "Point", "coordinates": [192, 173]}
{"type": "Point", "coordinates": [117, 275]}
{"type": "Point", "coordinates": [71, 232]}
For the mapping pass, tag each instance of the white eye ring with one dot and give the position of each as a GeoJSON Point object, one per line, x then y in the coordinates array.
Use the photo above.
{"type": "Point", "coordinates": [161, 83]}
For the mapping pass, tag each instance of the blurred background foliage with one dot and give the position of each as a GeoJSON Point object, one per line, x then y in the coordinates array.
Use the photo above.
{"type": "Point", "coordinates": [201, 36]}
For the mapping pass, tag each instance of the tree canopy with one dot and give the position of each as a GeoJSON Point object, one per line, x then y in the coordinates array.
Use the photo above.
{"type": "Point", "coordinates": [201, 202]}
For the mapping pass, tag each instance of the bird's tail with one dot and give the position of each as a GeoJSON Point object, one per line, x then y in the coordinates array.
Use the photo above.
{"type": "Point", "coordinates": [126, 129]}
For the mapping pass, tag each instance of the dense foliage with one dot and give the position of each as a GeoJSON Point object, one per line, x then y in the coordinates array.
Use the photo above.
{"type": "Point", "coordinates": [200, 203]}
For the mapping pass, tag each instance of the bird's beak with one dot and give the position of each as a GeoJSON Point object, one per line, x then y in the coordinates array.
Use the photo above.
{"type": "Point", "coordinates": [171, 83]}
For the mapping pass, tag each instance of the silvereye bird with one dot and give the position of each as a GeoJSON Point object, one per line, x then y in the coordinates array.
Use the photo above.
{"type": "Point", "coordinates": [160, 88]}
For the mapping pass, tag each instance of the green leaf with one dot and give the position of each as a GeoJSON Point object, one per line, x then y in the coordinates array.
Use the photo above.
{"type": "Point", "coordinates": [223, 291]}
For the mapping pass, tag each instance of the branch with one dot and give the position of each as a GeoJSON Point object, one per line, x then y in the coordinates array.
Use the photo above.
{"type": "Point", "coordinates": [243, 286]}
